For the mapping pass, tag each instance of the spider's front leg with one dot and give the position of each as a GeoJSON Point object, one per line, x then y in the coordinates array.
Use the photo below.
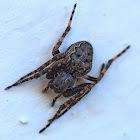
{"type": "Point", "coordinates": [58, 44]}
{"type": "Point", "coordinates": [39, 69]}
{"type": "Point", "coordinates": [54, 66]}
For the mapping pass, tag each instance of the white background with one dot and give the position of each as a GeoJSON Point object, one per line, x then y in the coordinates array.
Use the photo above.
{"type": "Point", "coordinates": [28, 31]}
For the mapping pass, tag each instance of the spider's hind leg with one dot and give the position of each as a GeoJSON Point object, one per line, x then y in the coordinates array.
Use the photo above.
{"type": "Point", "coordinates": [94, 79]}
{"type": "Point", "coordinates": [82, 90]}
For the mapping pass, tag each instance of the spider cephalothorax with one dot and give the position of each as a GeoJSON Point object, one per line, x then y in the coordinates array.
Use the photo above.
{"type": "Point", "coordinates": [63, 70]}
{"type": "Point", "coordinates": [62, 82]}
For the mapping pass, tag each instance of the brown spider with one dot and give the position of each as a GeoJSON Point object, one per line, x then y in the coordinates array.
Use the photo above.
{"type": "Point", "coordinates": [63, 70]}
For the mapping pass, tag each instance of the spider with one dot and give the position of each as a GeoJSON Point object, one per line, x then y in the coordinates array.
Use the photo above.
{"type": "Point", "coordinates": [64, 69]}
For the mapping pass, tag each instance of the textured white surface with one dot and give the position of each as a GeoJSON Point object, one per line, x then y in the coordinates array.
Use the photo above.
{"type": "Point", "coordinates": [28, 32]}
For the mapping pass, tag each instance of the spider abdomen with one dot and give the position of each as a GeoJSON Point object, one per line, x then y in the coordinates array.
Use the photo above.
{"type": "Point", "coordinates": [79, 58]}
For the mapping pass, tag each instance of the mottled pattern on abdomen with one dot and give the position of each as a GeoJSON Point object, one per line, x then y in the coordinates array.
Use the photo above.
{"type": "Point", "coordinates": [79, 58]}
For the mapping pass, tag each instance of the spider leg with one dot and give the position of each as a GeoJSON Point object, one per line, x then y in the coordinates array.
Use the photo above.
{"type": "Point", "coordinates": [55, 58]}
{"type": "Point", "coordinates": [90, 78]}
{"type": "Point", "coordinates": [73, 102]}
{"type": "Point", "coordinates": [114, 58]}
{"type": "Point", "coordinates": [75, 90]}
{"type": "Point", "coordinates": [104, 69]}
{"type": "Point", "coordinates": [68, 104]}
{"type": "Point", "coordinates": [70, 92]}
{"type": "Point", "coordinates": [94, 79]}
{"type": "Point", "coordinates": [54, 66]}
{"type": "Point", "coordinates": [62, 107]}
{"type": "Point", "coordinates": [77, 97]}
{"type": "Point", "coordinates": [58, 44]}
{"type": "Point", "coordinates": [54, 100]}
{"type": "Point", "coordinates": [46, 88]}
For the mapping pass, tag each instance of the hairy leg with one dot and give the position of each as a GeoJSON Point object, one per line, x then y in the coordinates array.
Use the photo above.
{"type": "Point", "coordinates": [58, 44]}
{"type": "Point", "coordinates": [75, 90]}
{"type": "Point", "coordinates": [55, 58]}
{"type": "Point", "coordinates": [71, 92]}
{"type": "Point", "coordinates": [110, 62]}
{"type": "Point", "coordinates": [94, 79]}
{"type": "Point", "coordinates": [54, 66]}
{"type": "Point", "coordinates": [68, 104]}
{"type": "Point", "coordinates": [46, 88]}
{"type": "Point", "coordinates": [54, 100]}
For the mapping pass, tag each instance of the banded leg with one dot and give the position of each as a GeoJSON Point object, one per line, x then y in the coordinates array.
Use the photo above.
{"type": "Point", "coordinates": [102, 67]}
{"type": "Point", "coordinates": [55, 58]}
{"type": "Point", "coordinates": [75, 90]}
{"type": "Point", "coordinates": [94, 79]}
{"type": "Point", "coordinates": [54, 100]}
{"type": "Point", "coordinates": [68, 104]}
{"type": "Point", "coordinates": [110, 62]}
{"type": "Point", "coordinates": [46, 88]}
{"type": "Point", "coordinates": [86, 89]}
{"type": "Point", "coordinates": [62, 107]}
{"type": "Point", "coordinates": [71, 92]}
{"type": "Point", "coordinates": [58, 44]}
{"type": "Point", "coordinates": [54, 66]}
{"type": "Point", "coordinates": [90, 78]}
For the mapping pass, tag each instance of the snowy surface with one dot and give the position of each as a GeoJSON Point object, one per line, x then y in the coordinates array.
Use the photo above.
{"type": "Point", "coordinates": [28, 32]}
